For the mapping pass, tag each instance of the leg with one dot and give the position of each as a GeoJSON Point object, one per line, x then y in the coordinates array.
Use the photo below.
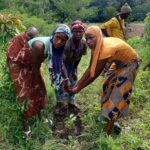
{"type": "Point", "coordinates": [25, 123]}
{"type": "Point", "coordinates": [146, 66]}
{"type": "Point", "coordinates": [26, 127]}
{"type": "Point", "coordinates": [109, 126]}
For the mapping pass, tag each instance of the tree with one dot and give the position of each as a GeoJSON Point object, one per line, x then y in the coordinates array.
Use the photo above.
{"type": "Point", "coordinates": [66, 10]}
{"type": "Point", "coordinates": [36, 8]}
{"type": "Point", "coordinates": [139, 12]}
{"type": "Point", "coordinates": [147, 27]}
{"type": "Point", "coordinates": [109, 12]}
{"type": "Point", "coordinates": [9, 26]}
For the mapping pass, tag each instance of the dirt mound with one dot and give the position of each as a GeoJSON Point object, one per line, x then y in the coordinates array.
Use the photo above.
{"type": "Point", "coordinates": [66, 119]}
{"type": "Point", "coordinates": [133, 30]}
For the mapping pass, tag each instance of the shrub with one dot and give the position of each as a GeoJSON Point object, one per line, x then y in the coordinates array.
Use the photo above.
{"type": "Point", "coordinates": [9, 26]}
{"type": "Point", "coordinates": [147, 27]}
{"type": "Point", "coordinates": [43, 26]}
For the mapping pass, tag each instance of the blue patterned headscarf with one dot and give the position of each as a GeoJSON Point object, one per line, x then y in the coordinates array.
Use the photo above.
{"type": "Point", "coordinates": [62, 28]}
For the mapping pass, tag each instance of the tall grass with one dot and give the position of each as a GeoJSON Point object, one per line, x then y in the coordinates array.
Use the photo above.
{"type": "Point", "coordinates": [135, 133]}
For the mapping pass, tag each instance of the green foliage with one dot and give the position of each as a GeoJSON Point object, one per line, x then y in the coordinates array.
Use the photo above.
{"type": "Point", "coordinates": [50, 10]}
{"type": "Point", "coordinates": [11, 132]}
{"type": "Point", "coordinates": [139, 12]}
{"type": "Point", "coordinates": [140, 85]}
{"type": "Point", "coordinates": [66, 10]}
{"type": "Point", "coordinates": [36, 8]}
{"type": "Point", "coordinates": [69, 10]}
{"type": "Point", "coordinates": [43, 26]}
{"type": "Point", "coordinates": [135, 131]}
{"type": "Point", "coordinates": [106, 143]}
{"type": "Point", "coordinates": [147, 27]}
{"type": "Point", "coordinates": [8, 32]}
{"type": "Point", "coordinates": [109, 12]}
{"type": "Point", "coordinates": [6, 91]}
{"type": "Point", "coordinates": [9, 26]}
{"type": "Point", "coordinates": [31, 7]}
{"type": "Point", "coordinates": [141, 45]}
{"type": "Point", "coordinates": [70, 121]}
{"type": "Point", "coordinates": [86, 15]}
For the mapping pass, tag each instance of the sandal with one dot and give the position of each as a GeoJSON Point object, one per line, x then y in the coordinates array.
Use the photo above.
{"type": "Point", "coordinates": [27, 134]}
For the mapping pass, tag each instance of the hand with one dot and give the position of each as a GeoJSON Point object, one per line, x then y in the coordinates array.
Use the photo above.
{"type": "Point", "coordinates": [66, 85]}
{"type": "Point", "coordinates": [74, 89]}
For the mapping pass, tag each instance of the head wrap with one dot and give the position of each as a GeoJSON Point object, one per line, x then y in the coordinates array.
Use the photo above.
{"type": "Point", "coordinates": [95, 31]}
{"type": "Point", "coordinates": [125, 9]}
{"type": "Point", "coordinates": [77, 25]}
{"type": "Point", "coordinates": [62, 28]}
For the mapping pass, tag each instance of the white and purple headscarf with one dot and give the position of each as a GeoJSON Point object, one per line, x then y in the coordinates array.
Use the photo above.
{"type": "Point", "coordinates": [55, 58]}
{"type": "Point", "coordinates": [62, 28]}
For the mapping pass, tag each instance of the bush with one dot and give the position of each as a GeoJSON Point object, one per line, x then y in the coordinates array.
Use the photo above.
{"type": "Point", "coordinates": [43, 26]}
{"type": "Point", "coordinates": [139, 11]}
{"type": "Point", "coordinates": [147, 27]}
{"type": "Point", "coordinates": [110, 12]}
{"type": "Point", "coordinates": [9, 26]}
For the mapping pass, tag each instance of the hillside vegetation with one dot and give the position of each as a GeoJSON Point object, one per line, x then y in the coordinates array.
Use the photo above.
{"type": "Point", "coordinates": [136, 129]}
{"type": "Point", "coordinates": [135, 134]}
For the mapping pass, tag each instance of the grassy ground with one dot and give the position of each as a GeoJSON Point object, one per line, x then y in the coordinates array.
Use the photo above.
{"type": "Point", "coordinates": [136, 129]}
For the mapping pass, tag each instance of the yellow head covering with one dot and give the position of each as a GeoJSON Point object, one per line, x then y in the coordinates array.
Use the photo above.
{"type": "Point", "coordinates": [95, 31]}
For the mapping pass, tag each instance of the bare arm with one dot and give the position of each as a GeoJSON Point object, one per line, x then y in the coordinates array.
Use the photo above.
{"type": "Point", "coordinates": [66, 81]}
{"type": "Point", "coordinates": [65, 74]}
{"type": "Point", "coordinates": [66, 55]}
{"type": "Point", "coordinates": [86, 73]}
{"type": "Point", "coordinates": [104, 31]}
{"type": "Point", "coordinates": [76, 64]}
{"type": "Point", "coordinates": [37, 58]}
{"type": "Point", "coordinates": [86, 79]}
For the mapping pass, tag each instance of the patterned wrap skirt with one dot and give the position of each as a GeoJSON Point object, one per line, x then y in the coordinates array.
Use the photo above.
{"type": "Point", "coordinates": [117, 90]}
{"type": "Point", "coordinates": [32, 99]}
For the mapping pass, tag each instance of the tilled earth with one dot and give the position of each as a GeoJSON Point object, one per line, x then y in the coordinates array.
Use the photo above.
{"type": "Point", "coordinates": [133, 30]}
{"type": "Point", "coordinates": [60, 115]}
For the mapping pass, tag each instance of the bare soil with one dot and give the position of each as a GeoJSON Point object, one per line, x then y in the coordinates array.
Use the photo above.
{"type": "Point", "coordinates": [60, 114]}
{"type": "Point", "coordinates": [133, 30]}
